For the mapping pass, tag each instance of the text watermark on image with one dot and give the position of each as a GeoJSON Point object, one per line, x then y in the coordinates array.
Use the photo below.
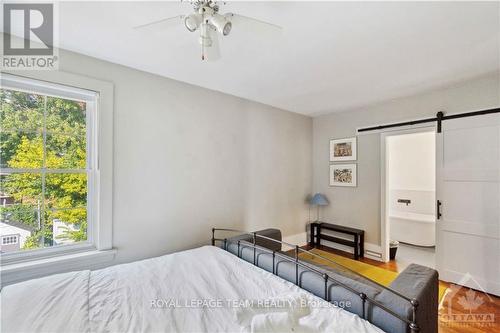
{"type": "Point", "coordinates": [29, 36]}
{"type": "Point", "coordinates": [170, 303]}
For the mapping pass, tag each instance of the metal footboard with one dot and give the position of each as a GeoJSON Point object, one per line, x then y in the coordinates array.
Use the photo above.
{"type": "Point", "coordinates": [411, 324]}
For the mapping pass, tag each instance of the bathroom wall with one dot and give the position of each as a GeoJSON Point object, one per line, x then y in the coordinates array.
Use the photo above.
{"type": "Point", "coordinates": [411, 172]}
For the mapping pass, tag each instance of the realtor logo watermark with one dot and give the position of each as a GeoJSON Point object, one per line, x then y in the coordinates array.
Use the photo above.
{"type": "Point", "coordinates": [470, 306]}
{"type": "Point", "coordinates": [29, 36]}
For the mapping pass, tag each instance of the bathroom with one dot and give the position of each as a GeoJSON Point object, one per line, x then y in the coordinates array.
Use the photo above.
{"type": "Point", "coordinates": [411, 196]}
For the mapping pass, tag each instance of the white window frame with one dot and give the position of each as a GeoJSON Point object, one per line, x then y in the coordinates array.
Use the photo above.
{"type": "Point", "coordinates": [99, 96]}
{"type": "Point", "coordinates": [91, 100]}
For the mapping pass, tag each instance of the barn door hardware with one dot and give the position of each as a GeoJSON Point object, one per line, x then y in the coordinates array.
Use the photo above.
{"type": "Point", "coordinates": [438, 205]}
{"type": "Point", "coordinates": [439, 118]}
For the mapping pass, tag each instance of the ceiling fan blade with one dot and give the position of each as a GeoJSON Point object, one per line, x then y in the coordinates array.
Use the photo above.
{"type": "Point", "coordinates": [236, 18]}
{"type": "Point", "coordinates": [165, 23]}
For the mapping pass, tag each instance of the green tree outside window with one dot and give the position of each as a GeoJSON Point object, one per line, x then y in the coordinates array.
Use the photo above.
{"type": "Point", "coordinates": [44, 132]}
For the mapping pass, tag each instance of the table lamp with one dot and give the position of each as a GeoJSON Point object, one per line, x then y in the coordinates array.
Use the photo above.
{"type": "Point", "coordinates": [319, 200]}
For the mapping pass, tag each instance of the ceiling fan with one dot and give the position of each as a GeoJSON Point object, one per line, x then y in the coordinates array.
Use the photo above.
{"type": "Point", "coordinates": [211, 25]}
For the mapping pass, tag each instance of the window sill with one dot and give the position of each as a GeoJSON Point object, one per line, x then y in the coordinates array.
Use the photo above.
{"type": "Point", "coordinates": [17, 272]}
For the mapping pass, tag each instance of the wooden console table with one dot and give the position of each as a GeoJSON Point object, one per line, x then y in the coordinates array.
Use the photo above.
{"type": "Point", "coordinates": [359, 237]}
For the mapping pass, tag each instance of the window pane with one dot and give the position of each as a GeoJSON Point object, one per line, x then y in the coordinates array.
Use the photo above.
{"type": "Point", "coordinates": [21, 188]}
{"type": "Point", "coordinates": [21, 150]}
{"type": "Point", "coordinates": [66, 208]}
{"type": "Point", "coordinates": [21, 221]}
{"type": "Point", "coordinates": [65, 152]}
{"type": "Point", "coordinates": [65, 191]}
{"type": "Point", "coordinates": [21, 111]}
{"type": "Point", "coordinates": [66, 116]}
{"type": "Point", "coordinates": [66, 225]}
{"type": "Point", "coordinates": [20, 211]}
{"type": "Point", "coordinates": [27, 214]}
{"type": "Point", "coordinates": [66, 134]}
{"type": "Point", "coordinates": [42, 209]}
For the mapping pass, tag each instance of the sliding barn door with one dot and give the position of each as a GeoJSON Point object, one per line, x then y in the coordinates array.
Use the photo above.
{"type": "Point", "coordinates": [468, 188]}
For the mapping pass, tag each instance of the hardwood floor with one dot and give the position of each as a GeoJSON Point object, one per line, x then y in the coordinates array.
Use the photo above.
{"type": "Point", "coordinates": [462, 310]}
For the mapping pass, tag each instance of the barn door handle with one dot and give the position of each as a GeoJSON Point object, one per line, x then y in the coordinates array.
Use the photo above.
{"type": "Point", "coordinates": [438, 209]}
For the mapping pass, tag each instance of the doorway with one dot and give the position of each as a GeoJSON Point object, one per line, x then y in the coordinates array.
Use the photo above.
{"type": "Point", "coordinates": [409, 196]}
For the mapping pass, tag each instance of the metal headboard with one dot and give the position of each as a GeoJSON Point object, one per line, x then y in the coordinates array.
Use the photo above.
{"type": "Point", "coordinates": [412, 324]}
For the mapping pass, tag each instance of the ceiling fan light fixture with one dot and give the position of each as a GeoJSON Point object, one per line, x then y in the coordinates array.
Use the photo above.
{"type": "Point", "coordinates": [205, 40]}
{"type": "Point", "coordinates": [193, 21]}
{"type": "Point", "coordinates": [221, 23]}
{"type": "Point", "coordinates": [227, 28]}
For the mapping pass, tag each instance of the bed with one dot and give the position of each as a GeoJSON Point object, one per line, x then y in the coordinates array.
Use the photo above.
{"type": "Point", "coordinates": [408, 305]}
{"type": "Point", "coordinates": [205, 289]}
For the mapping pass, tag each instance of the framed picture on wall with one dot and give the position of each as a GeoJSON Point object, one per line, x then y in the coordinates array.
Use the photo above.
{"type": "Point", "coordinates": [343, 149]}
{"type": "Point", "coordinates": [343, 175]}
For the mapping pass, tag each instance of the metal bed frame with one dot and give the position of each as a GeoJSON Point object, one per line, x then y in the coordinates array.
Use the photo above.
{"type": "Point", "coordinates": [412, 324]}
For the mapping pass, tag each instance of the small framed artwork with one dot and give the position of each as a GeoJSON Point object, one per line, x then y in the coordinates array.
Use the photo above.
{"type": "Point", "coordinates": [343, 175]}
{"type": "Point", "coordinates": [343, 149]}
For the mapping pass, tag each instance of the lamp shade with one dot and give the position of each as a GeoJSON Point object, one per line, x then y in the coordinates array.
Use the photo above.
{"type": "Point", "coordinates": [319, 200]}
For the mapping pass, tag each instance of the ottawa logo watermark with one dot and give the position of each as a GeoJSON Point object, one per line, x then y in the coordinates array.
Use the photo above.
{"type": "Point", "coordinates": [466, 307]}
{"type": "Point", "coordinates": [29, 36]}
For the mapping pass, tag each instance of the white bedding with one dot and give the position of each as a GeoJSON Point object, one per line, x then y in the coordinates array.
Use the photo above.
{"type": "Point", "coordinates": [201, 290]}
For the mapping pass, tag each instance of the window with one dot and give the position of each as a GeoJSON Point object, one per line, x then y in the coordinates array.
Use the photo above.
{"type": "Point", "coordinates": [47, 160]}
{"type": "Point", "coordinates": [6, 240]}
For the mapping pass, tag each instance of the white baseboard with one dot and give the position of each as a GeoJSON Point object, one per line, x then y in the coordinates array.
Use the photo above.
{"type": "Point", "coordinates": [373, 251]}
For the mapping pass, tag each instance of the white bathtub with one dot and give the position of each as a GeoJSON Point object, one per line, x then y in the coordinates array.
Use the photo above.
{"type": "Point", "coordinates": [413, 228]}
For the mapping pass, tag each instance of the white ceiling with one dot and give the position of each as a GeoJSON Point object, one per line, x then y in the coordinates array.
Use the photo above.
{"type": "Point", "coordinates": [331, 56]}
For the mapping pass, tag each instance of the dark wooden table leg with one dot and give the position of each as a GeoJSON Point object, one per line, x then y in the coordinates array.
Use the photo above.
{"type": "Point", "coordinates": [362, 245]}
{"type": "Point", "coordinates": [318, 235]}
{"type": "Point", "coordinates": [356, 247]}
{"type": "Point", "coordinates": [311, 235]}
{"type": "Point", "coordinates": [315, 240]}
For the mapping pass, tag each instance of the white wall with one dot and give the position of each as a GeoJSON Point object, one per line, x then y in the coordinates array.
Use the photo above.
{"type": "Point", "coordinates": [360, 207]}
{"type": "Point", "coordinates": [187, 159]}
{"type": "Point", "coordinates": [412, 161]}
{"type": "Point", "coordinates": [411, 172]}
